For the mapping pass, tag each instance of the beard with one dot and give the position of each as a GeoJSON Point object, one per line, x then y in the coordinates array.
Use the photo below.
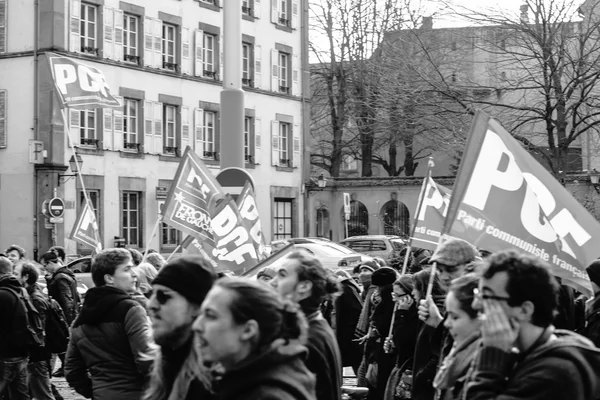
{"type": "Point", "coordinates": [175, 335]}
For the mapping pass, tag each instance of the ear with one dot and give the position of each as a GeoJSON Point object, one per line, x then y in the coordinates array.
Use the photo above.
{"type": "Point", "coordinates": [108, 279]}
{"type": "Point", "coordinates": [304, 288]}
{"type": "Point", "coordinates": [250, 330]}
{"type": "Point", "coordinates": [525, 311]}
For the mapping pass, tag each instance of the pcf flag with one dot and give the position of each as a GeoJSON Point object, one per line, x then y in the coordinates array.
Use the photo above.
{"type": "Point", "coordinates": [85, 230]}
{"type": "Point", "coordinates": [246, 203]}
{"type": "Point", "coordinates": [79, 85]}
{"type": "Point", "coordinates": [430, 221]}
{"type": "Point", "coordinates": [520, 205]}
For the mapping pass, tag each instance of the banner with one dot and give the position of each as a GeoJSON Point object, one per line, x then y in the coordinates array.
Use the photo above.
{"type": "Point", "coordinates": [246, 203]}
{"type": "Point", "coordinates": [79, 85]}
{"type": "Point", "coordinates": [193, 246]}
{"type": "Point", "coordinates": [85, 230]}
{"type": "Point", "coordinates": [519, 205]}
{"type": "Point", "coordinates": [430, 221]}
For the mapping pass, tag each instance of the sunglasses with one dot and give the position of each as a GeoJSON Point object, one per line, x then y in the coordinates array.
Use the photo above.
{"type": "Point", "coordinates": [162, 297]}
{"type": "Point", "coordinates": [484, 296]}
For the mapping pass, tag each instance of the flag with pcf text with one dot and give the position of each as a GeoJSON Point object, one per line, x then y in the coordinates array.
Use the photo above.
{"type": "Point", "coordinates": [85, 230]}
{"type": "Point", "coordinates": [519, 205]}
{"type": "Point", "coordinates": [246, 203]}
{"type": "Point", "coordinates": [430, 221]}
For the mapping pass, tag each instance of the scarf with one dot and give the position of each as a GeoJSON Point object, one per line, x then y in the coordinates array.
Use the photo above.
{"type": "Point", "coordinates": [456, 364]}
{"type": "Point", "coordinates": [371, 300]}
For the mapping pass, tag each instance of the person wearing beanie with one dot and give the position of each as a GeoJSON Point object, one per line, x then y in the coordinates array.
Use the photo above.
{"type": "Point", "coordinates": [177, 294]}
{"type": "Point", "coordinates": [106, 357]}
{"type": "Point", "coordinates": [366, 270]}
{"type": "Point", "coordinates": [592, 308]}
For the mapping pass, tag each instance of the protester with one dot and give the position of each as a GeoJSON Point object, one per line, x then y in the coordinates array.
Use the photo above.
{"type": "Point", "coordinates": [156, 260]}
{"type": "Point", "coordinates": [463, 324]}
{"type": "Point", "coordinates": [453, 257]}
{"type": "Point", "coordinates": [592, 312]}
{"type": "Point", "coordinates": [109, 338]}
{"type": "Point", "coordinates": [303, 279]}
{"type": "Point", "coordinates": [60, 252]}
{"type": "Point", "coordinates": [178, 291]}
{"type": "Point", "coordinates": [266, 274]}
{"type": "Point", "coordinates": [136, 256]}
{"type": "Point", "coordinates": [257, 338]}
{"type": "Point", "coordinates": [366, 271]}
{"type": "Point", "coordinates": [62, 285]}
{"type": "Point", "coordinates": [517, 297]}
{"type": "Point", "coordinates": [15, 254]}
{"type": "Point", "coordinates": [348, 306]}
{"type": "Point", "coordinates": [39, 371]}
{"type": "Point", "coordinates": [13, 349]}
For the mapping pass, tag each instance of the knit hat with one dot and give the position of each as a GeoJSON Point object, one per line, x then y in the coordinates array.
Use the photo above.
{"type": "Point", "coordinates": [593, 271]}
{"type": "Point", "coordinates": [454, 252]}
{"type": "Point", "coordinates": [191, 276]}
{"type": "Point", "coordinates": [384, 276]}
{"type": "Point", "coordinates": [266, 271]}
{"type": "Point", "coordinates": [370, 265]}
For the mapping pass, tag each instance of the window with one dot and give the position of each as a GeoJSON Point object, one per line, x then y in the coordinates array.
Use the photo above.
{"type": "Point", "coordinates": [208, 135]}
{"type": "Point", "coordinates": [168, 47]}
{"type": "Point", "coordinates": [284, 12]}
{"type": "Point", "coordinates": [283, 219]}
{"type": "Point", "coordinates": [87, 127]}
{"type": "Point", "coordinates": [283, 71]}
{"type": "Point", "coordinates": [349, 163]}
{"type": "Point", "coordinates": [323, 223]}
{"type": "Point", "coordinates": [130, 124]}
{"type": "Point", "coordinates": [132, 218]}
{"type": "Point", "coordinates": [395, 218]}
{"type": "Point", "coordinates": [130, 38]}
{"type": "Point", "coordinates": [247, 125]}
{"type": "Point", "coordinates": [88, 25]}
{"type": "Point", "coordinates": [246, 51]}
{"type": "Point", "coordinates": [3, 19]}
{"type": "Point", "coordinates": [169, 112]}
{"type": "Point", "coordinates": [284, 142]}
{"type": "Point", "coordinates": [169, 236]}
{"type": "Point", "coordinates": [209, 57]}
{"type": "Point", "coordinates": [247, 8]}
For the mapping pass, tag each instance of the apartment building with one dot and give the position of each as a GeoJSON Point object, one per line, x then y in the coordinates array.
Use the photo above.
{"type": "Point", "coordinates": [164, 60]}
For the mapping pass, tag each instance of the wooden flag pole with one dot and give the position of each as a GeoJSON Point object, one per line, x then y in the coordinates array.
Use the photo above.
{"type": "Point", "coordinates": [158, 221]}
{"type": "Point", "coordinates": [173, 253]}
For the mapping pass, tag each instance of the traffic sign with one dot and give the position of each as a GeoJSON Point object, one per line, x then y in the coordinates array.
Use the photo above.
{"type": "Point", "coordinates": [233, 179]}
{"type": "Point", "coordinates": [56, 220]}
{"type": "Point", "coordinates": [56, 207]}
{"type": "Point", "coordinates": [347, 206]}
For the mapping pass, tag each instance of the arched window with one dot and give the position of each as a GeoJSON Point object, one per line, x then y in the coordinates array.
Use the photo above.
{"type": "Point", "coordinates": [322, 222]}
{"type": "Point", "coordinates": [358, 224]}
{"type": "Point", "coordinates": [395, 218]}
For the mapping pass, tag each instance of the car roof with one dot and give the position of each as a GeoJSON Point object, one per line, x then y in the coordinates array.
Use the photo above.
{"type": "Point", "coordinates": [364, 237]}
{"type": "Point", "coordinates": [301, 240]}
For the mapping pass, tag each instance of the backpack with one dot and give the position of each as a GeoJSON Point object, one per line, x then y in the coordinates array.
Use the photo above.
{"type": "Point", "coordinates": [27, 327]}
{"type": "Point", "coordinates": [57, 329]}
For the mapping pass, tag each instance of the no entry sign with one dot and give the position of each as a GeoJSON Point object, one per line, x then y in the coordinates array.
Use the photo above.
{"type": "Point", "coordinates": [56, 207]}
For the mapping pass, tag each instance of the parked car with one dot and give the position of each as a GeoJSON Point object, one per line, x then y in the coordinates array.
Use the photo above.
{"type": "Point", "coordinates": [384, 246]}
{"type": "Point", "coordinates": [82, 267]}
{"type": "Point", "coordinates": [332, 255]}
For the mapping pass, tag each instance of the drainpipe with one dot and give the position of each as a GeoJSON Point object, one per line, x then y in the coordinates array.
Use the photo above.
{"type": "Point", "coordinates": [36, 11]}
{"type": "Point", "coordinates": [305, 68]}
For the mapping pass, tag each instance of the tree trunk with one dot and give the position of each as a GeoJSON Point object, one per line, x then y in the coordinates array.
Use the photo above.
{"type": "Point", "coordinates": [393, 152]}
{"type": "Point", "coordinates": [409, 161]}
{"type": "Point", "coordinates": [366, 140]}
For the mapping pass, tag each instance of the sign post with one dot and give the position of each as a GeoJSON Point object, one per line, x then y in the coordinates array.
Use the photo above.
{"type": "Point", "coordinates": [346, 210]}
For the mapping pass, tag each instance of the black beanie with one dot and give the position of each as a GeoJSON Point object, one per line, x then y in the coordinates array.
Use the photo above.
{"type": "Point", "coordinates": [593, 271]}
{"type": "Point", "coordinates": [384, 276]}
{"type": "Point", "coordinates": [191, 276]}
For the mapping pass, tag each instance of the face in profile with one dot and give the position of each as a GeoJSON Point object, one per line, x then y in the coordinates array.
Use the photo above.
{"type": "Point", "coordinates": [286, 280]}
{"type": "Point", "coordinates": [458, 322]}
{"type": "Point", "coordinates": [171, 314]}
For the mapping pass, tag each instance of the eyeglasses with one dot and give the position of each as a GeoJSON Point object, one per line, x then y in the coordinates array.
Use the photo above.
{"type": "Point", "coordinates": [162, 297]}
{"type": "Point", "coordinates": [484, 296]}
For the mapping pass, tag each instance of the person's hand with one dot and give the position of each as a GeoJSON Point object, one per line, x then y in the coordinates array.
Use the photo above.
{"type": "Point", "coordinates": [362, 339]}
{"type": "Point", "coordinates": [404, 302]}
{"type": "Point", "coordinates": [497, 330]}
{"type": "Point", "coordinates": [388, 345]}
{"type": "Point", "coordinates": [429, 313]}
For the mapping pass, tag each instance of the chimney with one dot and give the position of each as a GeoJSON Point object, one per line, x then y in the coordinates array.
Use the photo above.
{"type": "Point", "coordinates": [524, 15]}
{"type": "Point", "coordinates": [427, 23]}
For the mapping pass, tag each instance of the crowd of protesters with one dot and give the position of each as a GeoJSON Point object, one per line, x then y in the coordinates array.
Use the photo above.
{"type": "Point", "coordinates": [458, 324]}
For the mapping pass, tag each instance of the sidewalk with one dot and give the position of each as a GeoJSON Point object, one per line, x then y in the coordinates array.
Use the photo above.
{"type": "Point", "coordinates": [65, 391]}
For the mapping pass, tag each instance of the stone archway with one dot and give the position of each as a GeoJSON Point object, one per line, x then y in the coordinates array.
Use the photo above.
{"type": "Point", "coordinates": [395, 218]}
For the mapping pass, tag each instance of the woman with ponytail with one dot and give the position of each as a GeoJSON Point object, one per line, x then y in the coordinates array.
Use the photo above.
{"type": "Point", "coordinates": [257, 339]}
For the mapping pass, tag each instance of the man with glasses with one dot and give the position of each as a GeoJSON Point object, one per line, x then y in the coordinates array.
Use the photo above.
{"type": "Point", "coordinates": [177, 293]}
{"type": "Point", "coordinates": [522, 355]}
{"type": "Point", "coordinates": [107, 357]}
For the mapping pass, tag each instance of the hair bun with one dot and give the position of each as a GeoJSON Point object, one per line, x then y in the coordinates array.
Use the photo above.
{"type": "Point", "coordinates": [293, 323]}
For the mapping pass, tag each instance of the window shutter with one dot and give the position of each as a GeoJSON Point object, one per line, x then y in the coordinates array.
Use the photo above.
{"type": "Point", "coordinates": [148, 42]}
{"type": "Point", "coordinates": [274, 70]}
{"type": "Point", "coordinates": [296, 75]}
{"type": "Point", "coordinates": [296, 146]}
{"type": "Point", "coordinates": [107, 129]}
{"type": "Point", "coordinates": [257, 8]}
{"type": "Point", "coordinates": [3, 112]}
{"type": "Point", "coordinates": [74, 126]}
{"type": "Point", "coordinates": [118, 35]}
{"type": "Point", "coordinates": [185, 51]}
{"type": "Point", "coordinates": [118, 124]}
{"type": "Point", "coordinates": [198, 53]}
{"type": "Point", "coordinates": [109, 39]}
{"type": "Point", "coordinates": [198, 126]}
{"type": "Point", "coordinates": [157, 33]}
{"type": "Point", "coordinates": [75, 35]}
{"type": "Point", "coordinates": [149, 127]}
{"type": "Point", "coordinates": [295, 20]}
{"type": "Point", "coordinates": [3, 19]}
{"type": "Point", "coordinates": [257, 140]}
{"type": "Point", "coordinates": [257, 66]}
{"type": "Point", "coordinates": [185, 128]}
{"type": "Point", "coordinates": [274, 12]}
{"type": "Point", "coordinates": [158, 128]}
{"type": "Point", "coordinates": [275, 143]}
{"type": "Point", "coordinates": [221, 77]}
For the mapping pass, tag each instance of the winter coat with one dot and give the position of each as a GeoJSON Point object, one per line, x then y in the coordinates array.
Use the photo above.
{"type": "Point", "coordinates": [62, 287]}
{"type": "Point", "coordinates": [453, 374]}
{"type": "Point", "coordinates": [40, 302]}
{"type": "Point", "coordinates": [108, 341]}
{"type": "Point", "coordinates": [277, 374]}
{"type": "Point", "coordinates": [560, 365]}
{"type": "Point", "coordinates": [592, 317]}
{"type": "Point", "coordinates": [8, 304]}
{"type": "Point", "coordinates": [347, 312]}
{"type": "Point", "coordinates": [405, 334]}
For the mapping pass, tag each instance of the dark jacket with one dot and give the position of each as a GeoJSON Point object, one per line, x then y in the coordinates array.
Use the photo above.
{"type": "Point", "coordinates": [348, 306]}
{"type": "Point", "coordinates": [41, 305]}
{"type": "Point", "coordinates": [381, 320]}
{"type": "Point", "coordinates": [62, 287]}
{"type": "Point", "coordinates": [592, 318]}
{"type": "Point", "coordinates": [8, 304]}
{"type": "Point", "coordinates": [277, 374]}
{"type": "Point", "coordinates": [454, 372]}
{"type": "Point", "coordinates": [405, 334]}
{"type": "Point", "coordinates": [108, 341]}
{"type": "Point", "coordinates": [562, 365]}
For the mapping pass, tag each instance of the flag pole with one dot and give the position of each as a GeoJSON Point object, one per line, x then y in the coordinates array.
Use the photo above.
{"type": "Point", "coordinates": [173, 253]}
{"type": "Point", "coordinates": [158, 221]}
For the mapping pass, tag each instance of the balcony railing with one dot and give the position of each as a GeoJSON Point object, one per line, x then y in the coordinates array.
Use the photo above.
{"type": "Point", "coordinates": [247, 82]}
{"type": "Point", "coordinates": [211, 155]}
{"type": "Point", "coordinates": [210, 74]}
{"type": "Point", "coordinates": [284, 22]}
{"type": "Point", "coordinates": [170, 66]}
{"type": "Point", "coordinates": [132, 146]}
{"type": "Point", "coordinates": [248, 158]}
{"type": "Point", "coordinates": [131, 58]}
{"type": "Point", "coordinates": [171, 150]}
{"type": "Point", "coordinates": [90, 50]}
{"type": "Point", "coordinates": [284, 89]}
{"type": "Point", "coordinates": [89, 142]}
{"type": "Point", "coordinates": [284, 162]}
{"type": "Point", "coordinates": [247, 11]}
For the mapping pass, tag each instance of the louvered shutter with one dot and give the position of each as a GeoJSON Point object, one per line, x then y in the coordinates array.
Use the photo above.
{"type": "Point", "coordinates": [185, 51]}
{"type": "Point", "coordinates": [296, 133]}
{"type": "Point", "coordinates": [275, 143]}
{"type": "Point", "coordinates": [109, 37]}
{"type": "Point", "coordinates": [274, 70]}
{"type": "Point", "coordinates": [157, 33]}
{"type": "Point", "coordinates": [274, 12]}
{"type": "Point", "coordinates": [3, 124]}
{"type": "Point", "coordinates": [295, 75]}
{"type": "Point", "coordinates": [74, 127]}
{"type": "Point", "coordinates": [107, 129]}
{"type": "Point", "coordinates": [158, 128]}
{"type": "Point", "coordinates": [198, 127]}
{"type": "Point", "coordinates": [75, 34]}
{"type": "Point", "coordinates": [257, 140]}
{"type": "Point", "coordinates": [148, 42]}
{"type": "Point", "coordinates": [185, 128]}
{"type": "Point", "coordinates": [257, 66]}
{"type": "Point", "coordinates": [198, 47]}
{"type": "Point", "coordinates": [149, 127]}
{"type": "Point", "coordinates": [295, 19]}
{"type": "Point", "coordinates": [118, 124]}
{"type": "Point", "coordinates": [118, 35]}
{"type": "Point", "coordinates": [257, 13]}
{"type": "Point", "coordinates": [3, 23]}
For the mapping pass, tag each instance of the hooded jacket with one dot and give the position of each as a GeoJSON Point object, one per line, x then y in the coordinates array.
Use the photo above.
{"type": "Point", "coordinates": [62, 287]}
{"type": "Point", "coordinates": [8, 304]}
{"type": "Point", "coordinates": [110, 342]}
{"type": "Point", "coordinates": [563, 366]}
{"type": "Point", "coordinates": [277, 374]}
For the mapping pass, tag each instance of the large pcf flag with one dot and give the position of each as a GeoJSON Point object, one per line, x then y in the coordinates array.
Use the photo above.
{"type": "Point", "coordinates": [85, 230]}
{"type": "Point", "coordinates": [79, 85]}
{"type": "Point", "coordinates": [520, 205]}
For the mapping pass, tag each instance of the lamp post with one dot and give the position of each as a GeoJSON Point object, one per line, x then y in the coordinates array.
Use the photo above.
{"type": "Point", "coordinates": [75, 164]}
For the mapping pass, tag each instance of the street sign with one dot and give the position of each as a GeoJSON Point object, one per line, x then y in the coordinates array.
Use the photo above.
{"type": "Point", "coordinates": [56, 207]}
{"type": "Point", "coordinates": [347, 206]}
{"type": "Point", "coordinates": [161, 193]}
{"type": "Point", "coordinates": [233, 179]}
{"type": "Point", "coordinates": [56, 220]}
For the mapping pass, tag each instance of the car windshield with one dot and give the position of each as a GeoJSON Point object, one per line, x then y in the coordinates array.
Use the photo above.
{"type": "Point", "coordinates": [398, 244]}
{"type": "Point", "coordinates": [332, 248]}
